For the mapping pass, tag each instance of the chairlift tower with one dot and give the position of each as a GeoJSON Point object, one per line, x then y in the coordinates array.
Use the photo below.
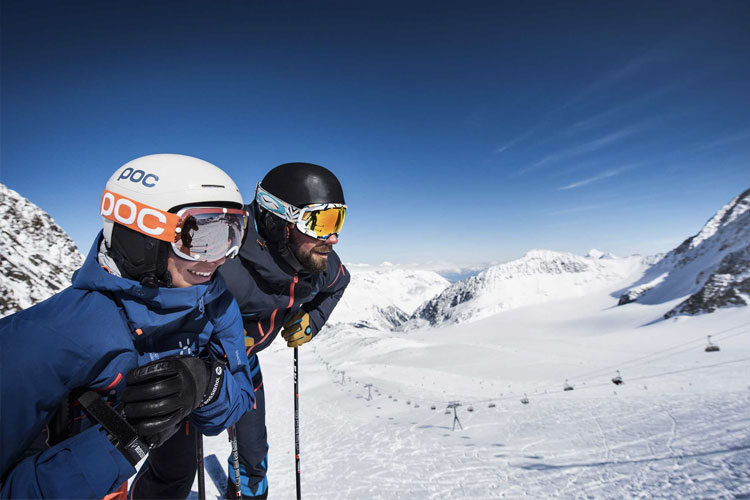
{"type": "Point", "coordinates": [369, 394]}
{"type": "Point", "coordinates": [454, 405]}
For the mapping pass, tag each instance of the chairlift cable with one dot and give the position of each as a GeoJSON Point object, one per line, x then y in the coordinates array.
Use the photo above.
{"type": "Point", "coordinates": [683, 347]}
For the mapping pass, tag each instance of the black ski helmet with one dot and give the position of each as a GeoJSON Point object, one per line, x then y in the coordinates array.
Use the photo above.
{"type": "Point", "coordinates": [298, 184]}
{"type": "Point", "coordinates": [301, 184]}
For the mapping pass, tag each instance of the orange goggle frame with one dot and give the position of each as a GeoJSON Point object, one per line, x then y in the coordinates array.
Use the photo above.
{"type": "Point", "coordinates": [196, 233]}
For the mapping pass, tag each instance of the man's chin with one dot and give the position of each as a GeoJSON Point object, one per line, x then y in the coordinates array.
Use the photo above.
{"type": "Point", "coordinates": [317, 263]}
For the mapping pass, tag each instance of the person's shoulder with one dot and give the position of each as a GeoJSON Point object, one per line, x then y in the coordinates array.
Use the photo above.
{"type": "Point", "coordinates": [83, 320]}
{"type": "Point", "coordinates": [51, 308]}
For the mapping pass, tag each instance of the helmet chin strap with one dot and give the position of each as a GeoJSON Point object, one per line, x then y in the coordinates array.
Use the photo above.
{"type": "Point", "coordinates": [276, 231]}
{"type": "Point", "coordinates": [140, 257]}
{"type": "Point", "coordinates": [285, 251]}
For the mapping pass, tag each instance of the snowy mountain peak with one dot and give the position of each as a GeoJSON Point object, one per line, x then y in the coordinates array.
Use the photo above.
{"type": "Point", "coordinates": [538, 276]}
{"type": "Point", "coordinates": [725, 216]}
{"type": "Point", "coordinates": [708, 269]}
{"type": "Point", "coordinates": [598, 254]}
{"type": "Point", "coordinates": [37, 258]}
{"type": "Point", "coordinates": [384, 297]}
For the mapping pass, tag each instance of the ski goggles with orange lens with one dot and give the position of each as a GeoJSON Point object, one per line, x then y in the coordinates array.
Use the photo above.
{"type": "Point", "coordinates": [196, 233]}
{"type": "Point", "coordinates": [319, 220]}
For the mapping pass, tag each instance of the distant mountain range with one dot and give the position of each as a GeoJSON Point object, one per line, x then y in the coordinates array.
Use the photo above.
{"type": "Point", "coordinates": [538, 276]}
{"type": "Point", "coordinates": [708, 271]}
{"type": "Point", "coordinates": [385, 298]}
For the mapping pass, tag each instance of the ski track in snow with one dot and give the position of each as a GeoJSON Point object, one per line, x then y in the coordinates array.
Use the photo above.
{"type": "Point", "coordinates": [631, 445]}
{"type": "Point", "coordinates": [683, 435]}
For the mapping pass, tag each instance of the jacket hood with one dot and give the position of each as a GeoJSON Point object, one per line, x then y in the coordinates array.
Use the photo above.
{"type": "Point", "coordinates": [146, 308]}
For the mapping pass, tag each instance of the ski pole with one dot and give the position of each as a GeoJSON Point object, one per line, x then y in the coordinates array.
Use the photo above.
{"type": "Point", "coordinates": [232, 431]}
{"type": "Point", "coordinates": [296, 422]}
{"type": "Point", "coordinates": [199, 463]}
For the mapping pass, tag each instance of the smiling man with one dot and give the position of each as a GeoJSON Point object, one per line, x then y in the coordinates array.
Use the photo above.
{"type": "Point", "coordinates": [287, 279]}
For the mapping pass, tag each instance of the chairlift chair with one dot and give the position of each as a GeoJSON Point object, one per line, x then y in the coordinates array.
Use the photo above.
{"type": "Point", "coordinates": [525, 400]}
{"type": "Point", "coordinates": [617, 380]}
{"type": "Point", "coordinates": [470, 408]}
{"type": "Point", "coordinates": [567, 386]}
{"type": "Point", "coordinates": [491, 405]}
{"type": "Point", "coordinates": [711, 347]}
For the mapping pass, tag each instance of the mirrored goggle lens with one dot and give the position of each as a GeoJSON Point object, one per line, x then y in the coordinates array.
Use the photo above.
{"type": "Point", "coordinates": [322, 223]}
{"type": "Point", "coordinates": [209, 234]}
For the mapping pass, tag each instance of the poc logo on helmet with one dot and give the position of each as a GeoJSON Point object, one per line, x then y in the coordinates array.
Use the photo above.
{"type": "Point", "coordinates": [138, 216]}
{"type": "Point", "coordinates": [139, 177]}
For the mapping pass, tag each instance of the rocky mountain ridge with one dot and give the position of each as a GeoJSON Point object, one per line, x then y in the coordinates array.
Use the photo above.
{"type": "Point", "coordinates": [711, 268]}
{"type": "Point", "coordinates": [37, 258]}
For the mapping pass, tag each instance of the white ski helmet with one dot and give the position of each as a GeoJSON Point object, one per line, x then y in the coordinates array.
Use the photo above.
{"type": "Point", "coordinates": [138, 195]}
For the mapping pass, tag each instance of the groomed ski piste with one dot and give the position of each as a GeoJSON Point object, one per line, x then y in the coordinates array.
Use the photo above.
{"type": "Point", "coordinates": [678, 427]}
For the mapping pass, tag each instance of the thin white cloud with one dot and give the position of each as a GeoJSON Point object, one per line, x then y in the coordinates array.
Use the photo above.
{"type": "Point", "coordinates": [573, 210]}
{"type": "Point", "coordinates": [520, 138]}
{"type": "Point", "coordinates": [604, 117]}
{"type": "Point", "coordinates": [590, 180]}
{"type": "Point", "coordinates": [585, 148]}
{"type": "Point", "coordinates": [743, 135]}
{"type": "Point", "coordinates": [609, 79]}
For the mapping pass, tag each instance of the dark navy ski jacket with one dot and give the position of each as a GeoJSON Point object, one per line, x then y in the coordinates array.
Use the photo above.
{"type": "Point", "coordinates": [90, 336]}
{"type": "Point", "coordinates": [269, 292]}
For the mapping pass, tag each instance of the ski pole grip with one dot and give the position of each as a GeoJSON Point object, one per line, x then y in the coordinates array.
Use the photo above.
{"type": "Point", "coordinates": [119, 431]}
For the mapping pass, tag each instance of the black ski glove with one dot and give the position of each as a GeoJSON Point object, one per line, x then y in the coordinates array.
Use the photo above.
{"type": "Point", "coordinates": [160, 394]}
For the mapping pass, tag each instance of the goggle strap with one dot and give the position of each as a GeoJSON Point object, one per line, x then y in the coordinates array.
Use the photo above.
{"type": "Point", "coordinates": [138, 216]}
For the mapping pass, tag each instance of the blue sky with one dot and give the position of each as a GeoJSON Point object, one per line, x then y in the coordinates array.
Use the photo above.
{"type": "Point", "coordinates": [464, 132]}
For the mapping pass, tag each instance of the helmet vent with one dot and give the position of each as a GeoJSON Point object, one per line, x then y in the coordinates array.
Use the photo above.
{"type": "Point", "coordinates": [213, 186]}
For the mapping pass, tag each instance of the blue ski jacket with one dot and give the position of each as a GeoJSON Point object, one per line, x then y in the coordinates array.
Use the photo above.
{"type": "Point", "coordinates": [269, 292]}
{"type": "Point", "coordinates": [90, 336]}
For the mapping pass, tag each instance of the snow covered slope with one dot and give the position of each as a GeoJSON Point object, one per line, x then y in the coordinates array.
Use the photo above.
{"type": "Point", "coordinates": [711, 269]}
{"type": "Point", "coordinates": [678, 428]}
{"type": "Point", "coordinates": [37, 258]}
{"type": "Point", "coordinates": [385, 297]}
{"type": "Point", "coordinates": [539, 276]}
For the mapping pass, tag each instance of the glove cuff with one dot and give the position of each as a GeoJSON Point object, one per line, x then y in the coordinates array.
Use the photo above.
{"type": "Point", "coordinates": [216, 370]}
{"type": "Point", "coordinates": [119, 432]}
